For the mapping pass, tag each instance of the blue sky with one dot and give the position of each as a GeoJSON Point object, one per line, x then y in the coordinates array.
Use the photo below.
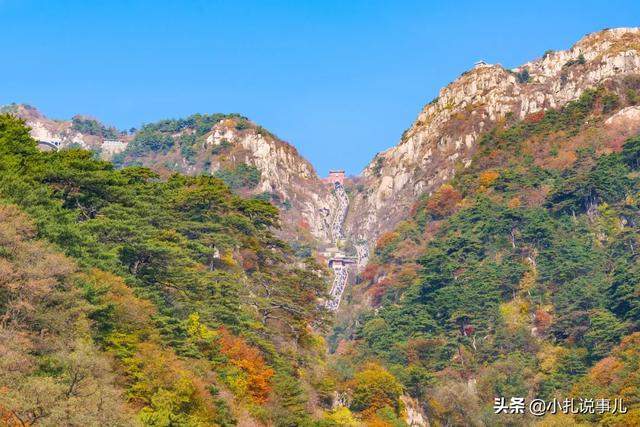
{"type": "Point", "coordinates": [340, 80]}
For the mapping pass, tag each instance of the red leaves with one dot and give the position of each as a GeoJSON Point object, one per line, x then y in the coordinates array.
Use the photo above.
{"type": "Point", "coordinates": [444, 202]}
{"type": "Point", "coordinates": [534, 117]}
{"type": "Point", "coordinates": [250, 361]}
{"type": "Point", "coordinates": [542, 320]}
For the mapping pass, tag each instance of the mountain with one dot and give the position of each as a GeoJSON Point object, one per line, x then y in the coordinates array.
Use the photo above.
{"type": "Point", "coordinates": [442, 140]}
{"type": "Point", "coordinates": [127, 299]}
{"type": "Point", "coordinates": [249, 158]}
{"type": "Point", "coordinates": [446, 133]}
{"type": "Point", "coordinates": [510, 270]}
{"type": "Point", "coordinates": [492, 253]}
{"type": "Point", "coordinates": [81, 131]}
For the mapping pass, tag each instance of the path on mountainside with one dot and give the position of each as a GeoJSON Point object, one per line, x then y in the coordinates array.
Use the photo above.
{"type": "Point", "coordinates": [340, 277]}
{"type": "Point", "coordinates": [341, 213]}
{"type": "Point", "coordinates": [362, 253]}
{"type": "Point", "coordinates": [339, 263]}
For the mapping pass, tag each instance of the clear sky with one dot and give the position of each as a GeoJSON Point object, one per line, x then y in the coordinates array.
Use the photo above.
{"type": "Point", "coordinates": [338, 79]}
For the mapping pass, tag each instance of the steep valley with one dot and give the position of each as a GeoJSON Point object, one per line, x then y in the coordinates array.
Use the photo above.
{"type": "Point", "coordinates": [491, 252]}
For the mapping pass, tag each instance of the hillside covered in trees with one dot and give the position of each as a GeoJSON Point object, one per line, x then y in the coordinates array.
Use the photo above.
{"type": "Point", "coordinates": [519, 278]}
{"type": "Point", "coordinates": [130, 299]}
{"type": "Point", "coordinates": [126, 299]}
{"type": "Point", "coordinates": [491, 254]}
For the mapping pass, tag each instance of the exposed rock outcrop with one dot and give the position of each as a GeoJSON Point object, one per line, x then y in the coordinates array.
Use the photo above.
{"type": "Point", "coordinates": [283, 172]}
{"type": "Point", "coordinates": [64, 133]}
{"type": "Point", "coordinates": [446, 132]}
{"type": "Point", "coordinates": [443, 138]}
{"type": "Point", "coordinates": [308, 207]}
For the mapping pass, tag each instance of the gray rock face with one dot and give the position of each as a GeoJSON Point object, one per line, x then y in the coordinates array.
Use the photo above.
{"type": "Point", "coordinates": [61, 133]}
{"type": "Point", "coordinates": [444, 137]}
{"type": "Point", "coordinates": [283, 171]}
{"type": "Point", "coordinates": [446, 132]}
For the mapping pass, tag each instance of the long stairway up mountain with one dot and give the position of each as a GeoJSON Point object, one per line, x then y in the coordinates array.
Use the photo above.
{"type": "Point", "coordinates": [338, 261]}
{"type": "Point", "coordinates": [442, 140]}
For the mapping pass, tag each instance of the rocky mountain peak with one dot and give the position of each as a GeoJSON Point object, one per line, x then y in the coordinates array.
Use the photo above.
{"type": "Point", "coordinates": [444, 137]}
{"type": "Point", "coordinates": [446, 132]}
{"type": "Point", "coordinates": [81, 131]}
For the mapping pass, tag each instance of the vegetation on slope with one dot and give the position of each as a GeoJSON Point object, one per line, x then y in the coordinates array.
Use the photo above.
{"type": "Point", "coordinates": [518, 279]}
{"type": "Point", "coordinates": [190, 310]}
{"type": "Point", "coordinates": [175, 140]}
{"type": "Point", "coordinates": [90, 126]}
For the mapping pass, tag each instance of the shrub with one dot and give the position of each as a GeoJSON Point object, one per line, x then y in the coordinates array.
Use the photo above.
{"type": "Point", "coordinates": [149, 141]}
{"type": "Point", "coordinates": [242, 176]}
{"type": "Point", "coordinates": [377, 167]}
{"type": "Point", "coordinates": [92, 127]}
{"type": "Point", "coordinates": [444, 202]}
{"type": "Point", "coordinates": [374, 388]}
{"type": "Point", "coordinates": [610, 102]}
{"type": "Point", "coordinates": [523, 76]}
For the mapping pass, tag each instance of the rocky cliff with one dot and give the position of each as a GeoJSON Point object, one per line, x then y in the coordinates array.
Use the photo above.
{"type": "Point", "coordinates": [442, 140]}
{"type": "Point", "coordinates": [250, 158]}
{"type": "Point", "coordinates": [446, 133]}
{"type": "Point", "coordinates": [230, 146]}
{"type": "Point", "coordinates": [80, 131]}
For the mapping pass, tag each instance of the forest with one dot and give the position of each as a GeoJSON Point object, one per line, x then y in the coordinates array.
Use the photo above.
{"type": "Point", "coordinates": [127, 298]}
{"type": "Point", "coordinates": [518, 278]}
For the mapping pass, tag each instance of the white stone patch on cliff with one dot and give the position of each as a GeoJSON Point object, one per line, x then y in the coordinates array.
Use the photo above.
{"type": "Point", "coordinates": [474, 103]}
{"type": "Point", "coordinates": [220, 133]}
{"type": "Point", "coordinates": [414, 416]}
{"type": "Point", "coordinates": [282, 171]}
{"type": "Point", "coordinates": [40, 133]}
{"type": "Point", "coordinates": [111, 147]}
{"type": "Point", "coordinates": [628, 114]}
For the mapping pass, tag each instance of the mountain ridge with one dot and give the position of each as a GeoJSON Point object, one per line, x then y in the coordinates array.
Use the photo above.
{"type": "Point", "coordinates": [442, 138]}
{"type": "Point", "coordinates": [504, 231]}
{"type": "Point", "coordinates": [446, 132]}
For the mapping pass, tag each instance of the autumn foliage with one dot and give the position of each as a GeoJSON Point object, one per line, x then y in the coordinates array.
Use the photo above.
{"type": "Point", "coordinates": [444, 202]}
{"type": "Point", "coordinates": [255, 375]}
{"type": "Point", "coordinates": [375, 388]}
{"type": "Point", "coordinates": [386, 239]}
{"type": "Point", "coordinates": [488, 177]}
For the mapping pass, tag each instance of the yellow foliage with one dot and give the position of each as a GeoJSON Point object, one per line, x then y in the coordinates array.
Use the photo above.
{"type": "Point", "coordinates": [228, 123]}
{"type": "Point", "coordinates": [528, 280]}
{"type": "Point", "coordinates": [515, 313]}
{"type": "Point", "coordinates": [488, 177]}
{"type": "Point", "coordinates": [548, 357]}
{"type": "Point", "coordinates": [559, 420]}
{"type": "Point", "coordinates": [609, 221]}
{"type": "Point", "coordinates": [630, 419]}
{"type": "Point", "coordinates": [515, 203]}
{"type": "Point", "coordinates": [374, 388]}
{"type": "Point", "coordinates": [195, 329]}
{"type": "Point", "coordinates": [317, 341]}
{"type": "Point", "coordinates": [228, 259]}
{"type": "Point", "coordinates": [460, 115]}
{"type": "Point", "coordinates": [343, 417]}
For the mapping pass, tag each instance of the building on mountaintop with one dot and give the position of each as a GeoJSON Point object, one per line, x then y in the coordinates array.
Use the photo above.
{"type": "Point", "coordinates": [334, 176]}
